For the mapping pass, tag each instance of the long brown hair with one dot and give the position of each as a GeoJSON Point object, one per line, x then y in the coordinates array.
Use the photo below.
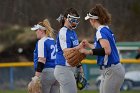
{"type": "Point", "coordinates": [102, 13]}
{"type": "Point", "coordinates": [49, 30]}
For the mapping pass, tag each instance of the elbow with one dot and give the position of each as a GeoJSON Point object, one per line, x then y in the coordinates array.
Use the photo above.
{"type": "Point", "coordinates": [107, 51]}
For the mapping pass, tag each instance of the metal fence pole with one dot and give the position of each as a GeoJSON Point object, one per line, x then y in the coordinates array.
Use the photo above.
{"type": "Point", "coordinates": [11, 78]}
{"type": "Point", "coordinates": [85, 71]}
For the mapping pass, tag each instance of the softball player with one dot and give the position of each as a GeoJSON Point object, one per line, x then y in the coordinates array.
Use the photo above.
{"type": "Point", "coordinates": [66, 39]}
{"type": "Point", "coordinates": [106, 51]}
{"type": "Point", "coordinates": [44, 57]}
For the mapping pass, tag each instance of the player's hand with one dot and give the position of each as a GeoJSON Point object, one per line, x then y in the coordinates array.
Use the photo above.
{"type": "Point", "coordinates": [86, 44]}
{"type": "Point", "coordinates": [34, 85]}
{"type": "Point", "coordinates": [35, 78]}
{"type": "Point", "coordinates": [83, 44]}
{"type": "Point", "coordinates": [80, 46]}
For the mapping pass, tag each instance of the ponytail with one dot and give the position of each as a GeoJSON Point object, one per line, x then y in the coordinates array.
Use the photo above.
{"type": "Point", "coordinates": [61, 20]}
{"type": "Point", "coordinates": [49, 29]}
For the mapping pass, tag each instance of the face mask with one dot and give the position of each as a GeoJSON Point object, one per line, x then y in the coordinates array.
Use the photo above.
{"type": "Point", "coordinates": [73, 21]}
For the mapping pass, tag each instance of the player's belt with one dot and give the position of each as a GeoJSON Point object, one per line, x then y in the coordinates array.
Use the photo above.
{"type": "Point", "coordinates": [102, 67]}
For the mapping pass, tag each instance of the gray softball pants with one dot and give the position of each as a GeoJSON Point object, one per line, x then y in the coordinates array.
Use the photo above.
{"type": "Point", "coordinates": [48, 81]}
{"type": "Point", "coordinates": [112, 79]}
{"type": "Point", "coordinates": [66, 79]}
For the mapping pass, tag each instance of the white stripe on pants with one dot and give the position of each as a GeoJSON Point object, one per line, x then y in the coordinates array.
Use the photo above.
{"type": "Point", "coordinates": [112, 79]}
{"type": "Point", "coordinates": [66, 79]}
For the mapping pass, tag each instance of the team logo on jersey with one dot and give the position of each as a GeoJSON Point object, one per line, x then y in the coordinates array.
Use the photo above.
{"type": "Point", "coordinates": [75, 42]}
{"type": "Point", "coordinates": [71, 38]}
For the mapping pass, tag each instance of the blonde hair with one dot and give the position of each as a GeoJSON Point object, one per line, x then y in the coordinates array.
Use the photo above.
{"type": "Point", "coordinates": [49, 30]}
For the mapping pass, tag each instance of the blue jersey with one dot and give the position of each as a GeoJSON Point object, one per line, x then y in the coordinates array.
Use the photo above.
{"type": "Point", "coordinates": [66, 39]}
{"type": "Point", "coordinates": [45, 48]}
{"type": "Point", "coordinates": [103, 32]}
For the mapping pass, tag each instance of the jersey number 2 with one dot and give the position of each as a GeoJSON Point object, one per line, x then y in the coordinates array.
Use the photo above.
{"type": "Point", "coordinates": [53, 56]}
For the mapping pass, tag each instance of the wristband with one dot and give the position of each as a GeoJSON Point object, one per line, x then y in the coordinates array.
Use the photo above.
{"type": "Point", "coordinates": [40, 67]}
{"type": "Point", "coordinates": [99, 51]}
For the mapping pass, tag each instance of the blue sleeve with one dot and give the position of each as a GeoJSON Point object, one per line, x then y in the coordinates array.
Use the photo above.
{"type": "Point", "coordinates": [101, 35]}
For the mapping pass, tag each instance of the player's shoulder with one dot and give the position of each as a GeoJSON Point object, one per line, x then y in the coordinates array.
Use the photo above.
{"type": "Point", "coordinates": [49, 38]}
{"type": "Point", "coordinates": [105, 29]}
{"type": "Point", "coordinates": [63, 29]}
{"type": "Point", "coordinates": [42, 40]}
{"type": "Point", "coordinates": [102, 29]}
{"type": "Point", "coordinates": [63, 32]}
{"type": "Point", "coordinates": [49, 41]}
{"type": "Point", "coordinates": [45, 39]}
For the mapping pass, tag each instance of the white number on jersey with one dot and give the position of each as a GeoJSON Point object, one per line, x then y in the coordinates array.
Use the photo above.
{"type": "Point", "coordinates": [53, 56]}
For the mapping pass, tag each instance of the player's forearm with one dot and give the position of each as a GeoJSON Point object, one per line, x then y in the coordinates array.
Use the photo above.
{"type": "Point", "coordinates": [37, 73]}
{"type": "Point", "coordinates": [99, 52]}
{"type": "Point", "coordinates": [106, 45]}
{"type": "Point", "coordinates": [40, 66]}
{"type": "Point", "coordinates": [91, 46]}
{"type": "Point", "coordinates": [42, 60]}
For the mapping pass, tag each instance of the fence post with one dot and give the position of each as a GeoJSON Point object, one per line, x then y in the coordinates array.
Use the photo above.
{"type": "Point", "coordinates": [85, 71]}
{"type": "Point", "coordinates": [11, 78]}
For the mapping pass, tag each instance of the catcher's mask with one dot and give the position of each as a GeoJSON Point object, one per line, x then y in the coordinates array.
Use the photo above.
{"type": "Point", "coordinates": [81, 82]}
{"type": "Point", "coordinates": [73, 20]}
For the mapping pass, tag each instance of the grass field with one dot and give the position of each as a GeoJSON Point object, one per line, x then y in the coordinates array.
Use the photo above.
{"type": "Point", "coordinates": [85, 91]}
